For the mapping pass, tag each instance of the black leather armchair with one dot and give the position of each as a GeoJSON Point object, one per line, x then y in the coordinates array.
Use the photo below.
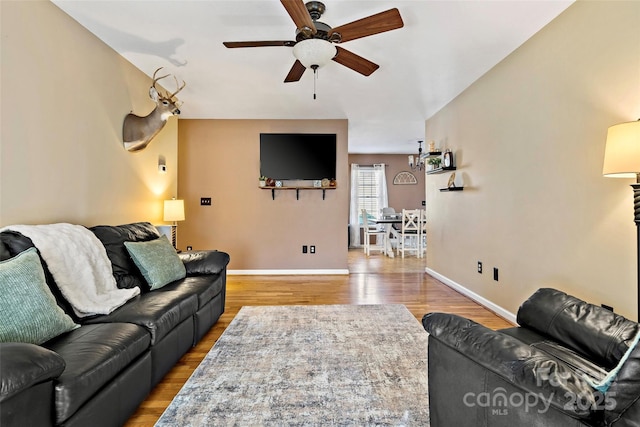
{"type": "Point", "coordinates": [541, 373]}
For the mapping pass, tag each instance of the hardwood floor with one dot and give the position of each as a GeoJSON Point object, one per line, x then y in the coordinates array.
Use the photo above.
{"type": "Point", "coordinates": [373, 280]}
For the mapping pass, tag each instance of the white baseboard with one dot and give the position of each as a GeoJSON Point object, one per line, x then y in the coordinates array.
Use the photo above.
{"type": "Point", "coordinates": [500, 311]}
{"type": "Point", "coordinates": [286, 272]}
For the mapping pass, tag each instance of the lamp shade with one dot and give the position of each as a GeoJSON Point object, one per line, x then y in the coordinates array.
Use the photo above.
{"type": "Point", "coordinates": [174, 210]}
{"type": "Point", "coordinates": [314, 52]}
{"type": "Point", "coordinates": [622, 151]}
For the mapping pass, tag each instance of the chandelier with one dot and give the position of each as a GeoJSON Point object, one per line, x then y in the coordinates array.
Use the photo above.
{"type": "Point", "coordinates": [418, 164]}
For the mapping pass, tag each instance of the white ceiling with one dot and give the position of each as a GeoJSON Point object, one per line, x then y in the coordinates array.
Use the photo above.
{"type": "Point", "coordinates": [443, 47]}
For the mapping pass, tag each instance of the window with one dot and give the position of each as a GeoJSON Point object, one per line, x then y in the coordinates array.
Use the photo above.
{"type": "Point", "coordinates": [368, 192]}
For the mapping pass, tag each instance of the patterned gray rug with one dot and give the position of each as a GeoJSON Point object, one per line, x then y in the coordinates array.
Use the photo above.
{"type": "Point", "coordinates": [356, 365]}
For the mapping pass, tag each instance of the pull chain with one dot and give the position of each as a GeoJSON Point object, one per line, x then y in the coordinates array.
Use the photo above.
{"type": "Point", "coordinates": [315, 79]}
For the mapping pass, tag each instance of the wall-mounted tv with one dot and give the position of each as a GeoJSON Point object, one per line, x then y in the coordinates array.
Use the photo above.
{"type": "Point", "coordinates": [298, 155]}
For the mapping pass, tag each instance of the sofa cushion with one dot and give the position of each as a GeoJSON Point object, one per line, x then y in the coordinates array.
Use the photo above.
{"type": "Point", "coordinates": [94, 355]}
{"type": "Point", "coordinates": [158, 312]}
{"type": "Point", "coordinates": [205, 288]}
{"type": "Point", "coordinates": [113, 237]}
{"type": "Point", "coordinates": [24, 365]}
{"type": "Point", "coordinates": [28, 310]}
{"type": "Point", "coordinates": [157, 260]}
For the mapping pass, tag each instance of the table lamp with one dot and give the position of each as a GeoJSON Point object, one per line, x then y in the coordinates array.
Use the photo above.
{"type": "Point", "coordinates": [622, 160]}
{"type": "Point", "coordinates": [174, 212]}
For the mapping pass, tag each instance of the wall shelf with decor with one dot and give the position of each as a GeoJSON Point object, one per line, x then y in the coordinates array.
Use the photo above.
{"type": "Point", "coordinates": [452, 189]}
{"type": "Point", "coordinates": [441, 170]}
{"type": "Point", "coordinates": [297, 189]}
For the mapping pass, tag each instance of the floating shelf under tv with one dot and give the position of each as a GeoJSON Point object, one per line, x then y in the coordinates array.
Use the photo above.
{"type": "Point", "coordinates": [273, 190]}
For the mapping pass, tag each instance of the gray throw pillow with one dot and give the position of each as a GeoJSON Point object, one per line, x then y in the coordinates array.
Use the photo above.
{"type": "Point", "coordinates": [28, 310]}
{"type": "Point", "coordinates": [157, 260]}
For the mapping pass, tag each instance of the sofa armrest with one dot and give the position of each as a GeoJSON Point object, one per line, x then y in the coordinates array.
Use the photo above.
{"type": "Point", "coordinates": [199, 263]}
{"type": "Point", "coordinates": [599, 334]}
{"type": "Point", "coordinates": [24, 365]}
{"type": "Point", "coordinates": [520, 364]}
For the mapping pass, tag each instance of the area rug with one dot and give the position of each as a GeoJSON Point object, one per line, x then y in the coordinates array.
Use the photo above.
{"type": "Point", "coordinates": [343, 365]}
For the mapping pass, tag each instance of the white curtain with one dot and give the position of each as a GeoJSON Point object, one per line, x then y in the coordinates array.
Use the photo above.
{"type": "Point", "coordinates": [354, 212]}
{"type": "Point", "coordinates": [381, 178]}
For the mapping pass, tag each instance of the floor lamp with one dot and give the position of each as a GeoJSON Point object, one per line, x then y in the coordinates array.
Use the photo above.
{"type": "Point", "coordinates": [622, 160]}
{"type": "Point", "coordinates": [174, 212]}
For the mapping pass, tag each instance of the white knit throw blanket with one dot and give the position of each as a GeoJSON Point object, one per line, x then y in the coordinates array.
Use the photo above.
{"type": "Point", "coordinates": [79, 264]}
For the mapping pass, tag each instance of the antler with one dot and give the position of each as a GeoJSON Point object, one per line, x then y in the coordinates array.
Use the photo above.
{"type": "Point", "coordinates": [156, 79]}
{"type": "Point", "coordinates": [179, 88]}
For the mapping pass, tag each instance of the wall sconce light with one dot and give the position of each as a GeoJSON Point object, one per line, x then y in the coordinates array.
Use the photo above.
{"type": "Point", "coordinates": [622, 160]}
{"type": "Point", "coordinates": [162, 164]}
{"type": "Point", "coordinates": [174, 212]}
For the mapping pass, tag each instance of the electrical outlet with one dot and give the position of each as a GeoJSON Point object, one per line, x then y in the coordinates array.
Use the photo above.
{"type": "Point", "coordinates": [189, 248]}
{"type": "Point", "coordinates": [479, 267]}
{"type": "Point", "coordinates": [424, 203]}
{"type": "Point", "coordinates": [205, 201]}
{"type": "Point", "coordinates": [304, 249]}
{"type": "Point", "coordinates": [495, 274]}
{"type": "Point", "coordinates": [312, 249]}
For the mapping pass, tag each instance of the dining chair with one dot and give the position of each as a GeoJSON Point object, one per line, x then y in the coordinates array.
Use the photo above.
{"type": "Point", "coordinates": [423, 233]}
{"type": "Point", "coordinates": [410, 232]}
{"type": "Point", "coordinates": [371, 230]}
{"type": "Point", "coordinates": [393, 233]}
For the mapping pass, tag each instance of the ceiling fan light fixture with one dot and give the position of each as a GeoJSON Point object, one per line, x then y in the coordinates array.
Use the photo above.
{"type": "Point", "coordinates": [314, 52]}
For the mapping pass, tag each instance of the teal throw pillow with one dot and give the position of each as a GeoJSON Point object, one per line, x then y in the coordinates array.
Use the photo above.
{"type": "Point", "coordinates": [28, 310]}
{"type": "Point", "coordinates": [157, 260]}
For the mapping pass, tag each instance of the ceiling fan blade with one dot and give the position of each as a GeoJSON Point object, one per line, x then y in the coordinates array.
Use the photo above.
{"type": "Point", "coordinates": [295, 73]}
{"type": "Point", "coordinates": [288, 43]}
{"type": "Point", "coordinates": [355, 62]}
{"type": "Point", "coordinates": [374, 24]}
{"type": "Point", "coordinates": [300, 15]}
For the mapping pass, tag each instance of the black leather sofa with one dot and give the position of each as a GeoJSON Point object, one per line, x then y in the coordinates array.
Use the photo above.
{"type": "Point", "coordinates": [542, 373]}
{"type": "Point", "coordinates": [99, 373]}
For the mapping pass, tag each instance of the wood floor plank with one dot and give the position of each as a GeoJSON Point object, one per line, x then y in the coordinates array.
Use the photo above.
{"type": "Point", "coordinates": [372, 280]}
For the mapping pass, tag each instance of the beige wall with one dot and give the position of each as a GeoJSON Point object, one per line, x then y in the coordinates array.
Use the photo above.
{"type": "Point", "coordinates": [221, 159]}
{"type": "Point", "coordinates": [400, 196]}
{"type": "Point", "coordinates": [529, 139]}
{"type": "Point", "coordinates": [64, 97]}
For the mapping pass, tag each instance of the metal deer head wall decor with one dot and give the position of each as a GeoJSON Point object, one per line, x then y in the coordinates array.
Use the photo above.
{"type": "Point", "coordinates": [138, 131]}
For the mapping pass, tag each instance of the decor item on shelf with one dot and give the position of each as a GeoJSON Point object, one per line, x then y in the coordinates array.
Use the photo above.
{"type": "Point", "coordinates": [278, 183]}
{"type": "Point", "coordinates": [174, 211]}
{"type": "Point", "coordinates": [447, 158]}
{"type": "Point", "coordinates": [317, 183]}
{"type": "Point", "coordinates": [418, 164]}
{"type": "Point", "coordinates": [315, 41]}
{"type": "Point", "coordinates": [434, 162]}
{"type": "Point", "coordinates": [404, 178]}
{"type": "Point", "coordinates": [270, 182]}
{"type": "Point", "coordinates": [452, 181]}
{"type": "Point", "coordinates": [622, 160]}
{"type": "Point", "coordinates": [137, 131]}
{"type": "Point", "coordinates": [262, 181]}
{"type": "Point", "coordinates": [325, 182]}
{"type": "Point", "coordinates": [333, 182]}
{"type": "Point", "coordinates": [432, 146]}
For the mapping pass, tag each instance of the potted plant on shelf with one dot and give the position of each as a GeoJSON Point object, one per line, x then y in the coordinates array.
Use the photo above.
{"type": "Point", "coordinates": [262, 181]}
{"type": "Point", "coordinates": [434, 163]}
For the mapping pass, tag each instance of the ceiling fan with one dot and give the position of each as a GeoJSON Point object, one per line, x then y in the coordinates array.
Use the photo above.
{"type": "Point", "coordinates": [315, 41]}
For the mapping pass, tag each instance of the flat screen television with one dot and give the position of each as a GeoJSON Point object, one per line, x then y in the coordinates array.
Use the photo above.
{"type": "Point", "coordinates": [298, 156]}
